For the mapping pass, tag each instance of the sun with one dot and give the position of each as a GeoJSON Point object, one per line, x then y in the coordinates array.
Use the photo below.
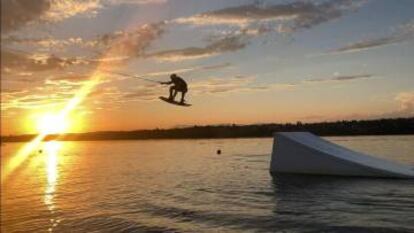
{"type": "Point", "coordinates": [50, 123]}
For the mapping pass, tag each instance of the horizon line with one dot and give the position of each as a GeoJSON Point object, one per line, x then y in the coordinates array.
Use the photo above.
{"type": "Point", "coordinates": [209, 125]}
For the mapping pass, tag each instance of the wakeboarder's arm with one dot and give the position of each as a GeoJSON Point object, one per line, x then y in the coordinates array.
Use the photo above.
{"type": "Point", "coordinates": [166, 83]}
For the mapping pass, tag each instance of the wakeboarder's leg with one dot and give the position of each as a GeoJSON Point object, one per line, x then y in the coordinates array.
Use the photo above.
{"type": "Point", "coordinates": [171, 93]}
{"type": "Point", "coordinates": [182, 96]}
{"type": "Point", "coordinates": [174, 94]}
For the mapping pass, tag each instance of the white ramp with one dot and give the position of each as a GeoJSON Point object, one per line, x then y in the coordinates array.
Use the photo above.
{"type": "Point", "coordinates": [306, 153]}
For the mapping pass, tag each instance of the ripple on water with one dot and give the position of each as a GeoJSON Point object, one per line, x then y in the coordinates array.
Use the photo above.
{"type": "Point", "coordinates": [183, 186]}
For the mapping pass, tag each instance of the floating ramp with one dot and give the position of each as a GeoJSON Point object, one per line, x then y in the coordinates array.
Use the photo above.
{"type": "Point", "coordinates": [306, 153]}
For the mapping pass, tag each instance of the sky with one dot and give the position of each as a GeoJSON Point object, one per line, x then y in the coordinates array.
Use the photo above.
{"type": "Point", "coordinates": [245, 62]}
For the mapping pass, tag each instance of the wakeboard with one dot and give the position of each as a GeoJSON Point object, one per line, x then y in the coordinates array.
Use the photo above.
{"type": "Point", "coordinates": [174, 102]}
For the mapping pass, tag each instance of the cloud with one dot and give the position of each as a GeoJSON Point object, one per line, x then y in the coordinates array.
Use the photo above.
{"type": "Point", "coordinates": [49, 42]}
{"type": "Point", "coordinates": [404, 107]}
{"type": "Point", "coordinates": [341, 78]}
{"type": "Point", "coordinates": [67, 82]}
{"type": "Point", "coordinates": [116, 47]}
{"type": "Point", "coordinates": [22, 62]}
{"type": "Point", "coordinates": [16, 61]}
{"type": "Point", "coordinates": [135, 2]}
{"type": "Point", "coordinates": [216, 47]}
{"type": "Point", "coordinates": [219, 85]}
{"type": "Point", "coordinates": [290, 16]}
{"type": "Point", "coordinates": [127, 42]}
{"type": "Point", "coordinates": [146, 92]}
{"type": "Point", "coordinates": [9, 95]}
{"type": "Point", "coordinates": [404, 33]}
{"type": "Point", "coordinates": [63, 9]}
{"type": "Point", "coordinates": [187, 70]}
{"type": "Point", "coordinates": [106, 92]}
{"type": "Point", "coordinates": [236, 84]}
{"type": "Point", "coordinates": [17, 13]}
{"type": "Point", "coordinates": [12, 91]}
{"type": "Point", "coordinates": [130, 43]}
{"type": "Point", "coordinates": [276, 87]}
{"type": "Point", "coordinates": [50, 92]}
{"type": "Point", "coordinates": [216, 67]}
{"type": "Point", "coordinates": [75, 80]}
{"type": "Point", "coordinates": [72, 78]}
{"type": "Point", "coordinates": [253, 20]}
{"type": "Point", "coordinates": [406, 103]}
{"type": "Point", "coordinates": [31, 100]}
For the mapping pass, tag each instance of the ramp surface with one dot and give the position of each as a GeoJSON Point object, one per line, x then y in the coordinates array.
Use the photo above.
{"type": "Point", "coordinates": [306, 153]}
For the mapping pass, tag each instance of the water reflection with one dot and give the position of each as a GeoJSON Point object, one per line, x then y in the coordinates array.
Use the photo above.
{"type": "Point", "coordinates": [331, 204]}
{"type": "Point", "coordinates": [51, 166]}
{"type": "Point", "coordinates": [117, 187]}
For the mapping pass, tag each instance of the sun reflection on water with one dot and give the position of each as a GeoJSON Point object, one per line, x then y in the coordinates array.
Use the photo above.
{"type": "Point", "coordinates": [51, 166]}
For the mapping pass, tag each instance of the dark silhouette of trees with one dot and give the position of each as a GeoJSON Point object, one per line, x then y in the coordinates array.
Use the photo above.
{"type": "Point", "coordinates": [339, 128]}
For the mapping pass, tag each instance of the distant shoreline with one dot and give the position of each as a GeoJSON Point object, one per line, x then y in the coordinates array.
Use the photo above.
{"type": "Point", "coordinates": [395, 126]}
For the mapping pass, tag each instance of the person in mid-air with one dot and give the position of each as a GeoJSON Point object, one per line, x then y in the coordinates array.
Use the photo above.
{"type": "Point", "coordinates": [179, 85]}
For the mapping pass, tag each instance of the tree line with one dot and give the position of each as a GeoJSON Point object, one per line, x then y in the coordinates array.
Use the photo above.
{"type": "Point", "coordinates": [396, 126]}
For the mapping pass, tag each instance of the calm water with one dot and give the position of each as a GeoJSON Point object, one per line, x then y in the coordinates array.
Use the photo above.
{"type": "Point", "coordinates": [183, 186]}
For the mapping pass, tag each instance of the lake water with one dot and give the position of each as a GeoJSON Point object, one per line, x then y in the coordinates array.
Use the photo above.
{"type": "Point", "coordinates": [184, 186]}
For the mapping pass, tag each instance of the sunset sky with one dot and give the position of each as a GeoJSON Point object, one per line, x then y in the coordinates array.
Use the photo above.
{"type": "Point", "coordinates": [245, 61]}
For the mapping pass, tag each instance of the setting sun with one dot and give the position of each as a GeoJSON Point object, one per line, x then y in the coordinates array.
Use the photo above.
{"type": "Point", "coordinates": [52, 124]}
